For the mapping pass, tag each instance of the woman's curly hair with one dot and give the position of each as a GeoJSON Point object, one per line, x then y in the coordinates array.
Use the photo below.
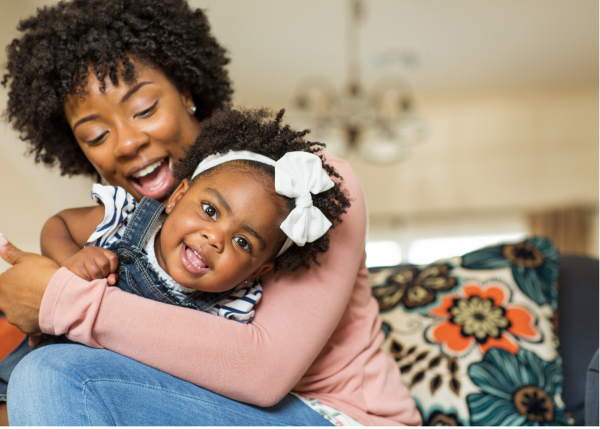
{"type": "Point", "coordinates": [261, 131]}
{"type": "Point", "coordinates": [62, 45]}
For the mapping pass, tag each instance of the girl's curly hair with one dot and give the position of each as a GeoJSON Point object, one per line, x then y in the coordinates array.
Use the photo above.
{"type": "Point", "coordinates": [262, 132]}
{"type": "Point", "coordinates": [62, 45]}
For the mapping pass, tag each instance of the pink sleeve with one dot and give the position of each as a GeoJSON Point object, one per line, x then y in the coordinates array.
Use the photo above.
{"type": "Point", "coordinates": [298, 313]}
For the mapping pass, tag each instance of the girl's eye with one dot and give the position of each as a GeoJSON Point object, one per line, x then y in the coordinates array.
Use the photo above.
{"type": "Point", "coordinates": [210, 211]}
{"type": "Point", "coordinates": [243, 243]}
{"type": "Point", "coordinates": [147, 112]}
{"type": "Point", "coordinates": [97, 140]}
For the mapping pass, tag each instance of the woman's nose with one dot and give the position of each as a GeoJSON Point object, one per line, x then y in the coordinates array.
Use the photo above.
{"type": "Point", "coordinates": [129, 140]}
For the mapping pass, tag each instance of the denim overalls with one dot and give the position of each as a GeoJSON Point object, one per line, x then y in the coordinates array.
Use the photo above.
{"type": "Point", "coordinates": [135, 275]}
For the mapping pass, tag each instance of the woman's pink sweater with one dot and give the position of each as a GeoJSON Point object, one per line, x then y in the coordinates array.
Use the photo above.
{"type": "Point", "coordinates": [316, 332]}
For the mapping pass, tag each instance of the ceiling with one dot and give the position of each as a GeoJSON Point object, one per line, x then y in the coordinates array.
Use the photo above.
{"type": "Point", "coordinates": [456, 45]}
{"type": "Point", "coordinates": [459, 45]}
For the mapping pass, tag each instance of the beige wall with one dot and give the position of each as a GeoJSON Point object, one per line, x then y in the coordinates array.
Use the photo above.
{"type": "Point", "coordinates": [525, 151]}
{"type": "Point", "coordinates": [488, 159]}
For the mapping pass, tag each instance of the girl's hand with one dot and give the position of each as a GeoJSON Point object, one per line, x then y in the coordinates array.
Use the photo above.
{"type": "Point", "coordinates": [22, 286]}
{"type": "Point", "coordinates": [93, 263]}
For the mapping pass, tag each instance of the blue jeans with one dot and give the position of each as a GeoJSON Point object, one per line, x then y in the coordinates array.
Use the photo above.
{"type": "Point", "coordinates": [70, 384]}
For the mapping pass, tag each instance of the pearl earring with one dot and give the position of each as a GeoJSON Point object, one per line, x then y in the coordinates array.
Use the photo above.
{"type": "Point", "coordinates": [193, 109]}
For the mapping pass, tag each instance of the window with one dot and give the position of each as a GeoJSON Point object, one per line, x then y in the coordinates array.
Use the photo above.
{"type": "Point", "coordinates": [383, 253]}
{"type": "Point", "coordinates": [429, 250]}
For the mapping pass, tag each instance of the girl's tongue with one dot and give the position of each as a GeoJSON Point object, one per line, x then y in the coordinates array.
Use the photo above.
{"type": "Point", "coordinates": [194, 259]}
{"type": "Point", "coordinates": [155, 180]}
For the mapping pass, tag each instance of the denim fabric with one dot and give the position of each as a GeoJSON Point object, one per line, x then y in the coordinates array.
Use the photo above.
{"type": "Point", "coordinates": [135, 275]}
{"type": "Point", "coordinates": [75, 385]}
{"type": "Point", "coordinates": [8, 364]}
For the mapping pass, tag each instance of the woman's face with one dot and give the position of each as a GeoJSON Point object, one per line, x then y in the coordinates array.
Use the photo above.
{"type": "Point", "coordinates": [134, 134]}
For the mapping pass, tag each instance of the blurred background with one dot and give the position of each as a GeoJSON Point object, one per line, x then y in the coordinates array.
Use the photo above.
{"type": "Point", "coordinates": [468, 121]}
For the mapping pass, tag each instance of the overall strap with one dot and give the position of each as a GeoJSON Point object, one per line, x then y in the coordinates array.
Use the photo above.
{"type": "Point", "coordinates": [142, 221]}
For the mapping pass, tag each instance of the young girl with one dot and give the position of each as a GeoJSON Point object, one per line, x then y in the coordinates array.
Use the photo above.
{"type": "Point", "coordinates": [220, 228]}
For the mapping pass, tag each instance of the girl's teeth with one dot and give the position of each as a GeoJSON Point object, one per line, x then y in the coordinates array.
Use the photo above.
{"type": "Point", "coordinates": [199, 257]}
{"type": "Point", "coordinates": [148, 170]}
{"type": "Point", "coordinates": [196, 260]}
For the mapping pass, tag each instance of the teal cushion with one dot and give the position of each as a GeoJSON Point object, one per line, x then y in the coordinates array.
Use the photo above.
{"type": "Point", "coordinates": [473, 335]}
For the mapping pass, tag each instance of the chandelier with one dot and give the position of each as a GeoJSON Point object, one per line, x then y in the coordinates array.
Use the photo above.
{"type": "Point", "coordinates": [380, 125]}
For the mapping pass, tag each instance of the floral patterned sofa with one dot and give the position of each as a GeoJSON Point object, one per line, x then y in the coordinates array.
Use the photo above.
{"type": "Point", "coordinates": [476, 340]}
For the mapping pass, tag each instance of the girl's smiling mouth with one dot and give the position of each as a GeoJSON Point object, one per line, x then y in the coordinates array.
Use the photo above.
{"type": "Point", "coordinates": [193, 261]}
{"type": "Point", "coordinates": [154, 180]}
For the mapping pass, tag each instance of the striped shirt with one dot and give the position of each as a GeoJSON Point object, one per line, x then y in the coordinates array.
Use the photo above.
{"type": "Point", "coordinates": [119, 205]}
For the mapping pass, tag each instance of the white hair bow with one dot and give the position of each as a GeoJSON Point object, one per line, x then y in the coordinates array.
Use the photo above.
{"type": "Point", "coordinates": [297, 175]}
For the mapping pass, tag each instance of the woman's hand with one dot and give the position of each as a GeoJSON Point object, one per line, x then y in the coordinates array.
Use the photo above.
{"type": "Point", "coordinates": [22, 286]}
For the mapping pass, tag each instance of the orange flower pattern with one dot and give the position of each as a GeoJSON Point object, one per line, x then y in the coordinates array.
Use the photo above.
{"type": "Point", "coordinates": [481, 316]}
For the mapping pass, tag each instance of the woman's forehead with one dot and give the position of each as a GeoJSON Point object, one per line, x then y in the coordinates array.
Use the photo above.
{"type": "Point", "coordinates": [106, 92]}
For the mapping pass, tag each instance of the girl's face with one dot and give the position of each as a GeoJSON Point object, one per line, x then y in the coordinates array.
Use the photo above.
{"type": "Point", "coordinates": [134, 134]}
{"type": "Point", "coordinates": [221, 231]}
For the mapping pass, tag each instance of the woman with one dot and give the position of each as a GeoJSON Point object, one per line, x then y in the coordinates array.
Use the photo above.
{"type": "Point", "coordinates": [116, 88]}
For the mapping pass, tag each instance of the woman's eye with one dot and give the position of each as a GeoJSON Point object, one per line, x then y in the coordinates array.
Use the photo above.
{"type": "Point", "coordinates": [97, 140]}
{"type": "Point", "coordinates": [243, 243]}
{"type": "Point", "coordinates": [147, 112]}
{"type": "Point", "coordinates": [210, 211]}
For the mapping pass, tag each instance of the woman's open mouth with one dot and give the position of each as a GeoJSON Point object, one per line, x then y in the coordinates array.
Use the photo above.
{"type": "Point", "coordinates": [155, 180]}
{"type": "Point", "coordinates": [193, 261]}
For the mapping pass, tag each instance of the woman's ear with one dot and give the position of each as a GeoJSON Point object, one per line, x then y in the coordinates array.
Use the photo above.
{"type": "Point", "coordinates": [177, 194]}
{"type": "Point", "coordinates": [188, 102]}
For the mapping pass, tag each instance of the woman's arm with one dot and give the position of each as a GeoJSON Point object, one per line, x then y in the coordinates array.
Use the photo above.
{"type": "Point", "coordinates": [296, 317]}
{"type": "Point", "coordinates": [65, 233]}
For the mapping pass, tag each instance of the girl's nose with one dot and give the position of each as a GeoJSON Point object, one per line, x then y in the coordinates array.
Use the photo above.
{"type": "Point", "coordinates": [214, 237]}
{"type": "Point", "coordinates": [129, 141]}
